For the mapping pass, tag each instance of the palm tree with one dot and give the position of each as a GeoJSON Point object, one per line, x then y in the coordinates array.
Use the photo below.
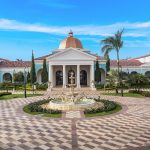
{"type": "Point", "coordinates": [113, 43]}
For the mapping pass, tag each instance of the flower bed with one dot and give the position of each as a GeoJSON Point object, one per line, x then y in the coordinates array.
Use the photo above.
{"type": "Point", "coordinates": [109, 107]}
{"type": "Point", "coordinates": [36, 108]}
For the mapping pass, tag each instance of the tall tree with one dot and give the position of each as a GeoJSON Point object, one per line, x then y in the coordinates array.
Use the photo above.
{"type": "Point", "coordinates": [97, 73]}
{"type": "Point", "coordinates": [44, 72]}
{"type": "Point", "coordinates": [107, 63]}
{"type": "Point", "coordinates": [33, 73]}
{"type": "Point", "coordinates": [113, 43]}
{"type": "Point", "coordinates": [19, 77]}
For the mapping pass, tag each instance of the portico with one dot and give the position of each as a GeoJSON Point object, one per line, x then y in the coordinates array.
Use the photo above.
{"type": "Point", "coordinates": [59, 74]}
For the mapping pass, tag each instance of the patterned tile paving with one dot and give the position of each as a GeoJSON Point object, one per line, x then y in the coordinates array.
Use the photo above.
{"type": "Point", "coordinates": [21, 131]}
{"type": "Point", "coordinates": [128, 130]}
{"type": "Point", "coordinates": [73, 114]}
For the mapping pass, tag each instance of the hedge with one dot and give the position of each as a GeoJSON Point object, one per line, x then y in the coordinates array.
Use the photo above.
{"type": "Point", "coordinates": [144, 93]}
{"type": "Point", "coordinates": [108, 106]}
{"type": "Point", "coordinates": [5, 93]}
{"type": "Point", "coordinates": [36, 107]}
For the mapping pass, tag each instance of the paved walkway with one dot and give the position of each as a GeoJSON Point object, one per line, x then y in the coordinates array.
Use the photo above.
{"type": "Point", "coordinates": [127, 130]}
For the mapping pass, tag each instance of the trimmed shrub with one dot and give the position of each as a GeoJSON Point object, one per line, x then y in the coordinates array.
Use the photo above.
{"type": "Point", "coordinates": [36, 107]}
{"type": "Point", "coordinates": [134, 91]}
{"type": "Point", "coordinates": [41, 86]}
{"type": "Point", "coordinates": [108, 106]}
{"type": "Point", "coordinates": [99, 86]}
{"type": "Point", "coordinates": [5, 93]}
{"type": "Point", "coordinates": [144, 93]}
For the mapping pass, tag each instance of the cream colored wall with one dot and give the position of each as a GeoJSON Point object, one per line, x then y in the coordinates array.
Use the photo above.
{"type": "Point", "coordinates": [39, 76]}
{"type": "Point", "coordinates": [144, 59]}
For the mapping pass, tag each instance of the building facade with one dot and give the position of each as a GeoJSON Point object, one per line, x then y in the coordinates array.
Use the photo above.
{"type": "Point", "coordinates": [69, 58]}
{"type": "Point", "coordinates": [135, 65]}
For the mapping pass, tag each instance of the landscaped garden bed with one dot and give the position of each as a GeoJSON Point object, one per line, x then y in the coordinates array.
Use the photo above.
{"type": "Point", "coordinates": [125, 94]}
{"type": "Point", "coordinates": [109, 107]}
{"type": "Point", "coordinates": [36, 108]}
{"type": "Point", "coordinates": [102, 107]}
{"type": "Point", "coordinates": [132, 93]}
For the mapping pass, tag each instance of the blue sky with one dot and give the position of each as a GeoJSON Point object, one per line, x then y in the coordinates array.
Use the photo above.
{"type": "Point", "coordinates": [40, 25]}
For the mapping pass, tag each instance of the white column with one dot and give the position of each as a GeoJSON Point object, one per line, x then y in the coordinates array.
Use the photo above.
{"type": "Point", "coordinates": [64, 76]}
{"type": "Point", "coordinates": [78, 76]}
{"type": "Point", "coordinates": [91, 75]}
{"type": "Point", "coordinates": [51, 74]}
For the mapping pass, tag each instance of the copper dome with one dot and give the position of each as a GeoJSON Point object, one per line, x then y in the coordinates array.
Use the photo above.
{"type": "Point", "coordinates": [70, 41]}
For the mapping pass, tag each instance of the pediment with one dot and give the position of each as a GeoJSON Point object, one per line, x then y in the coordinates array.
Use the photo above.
{"type": "Point", "coordinates": [72, 54]}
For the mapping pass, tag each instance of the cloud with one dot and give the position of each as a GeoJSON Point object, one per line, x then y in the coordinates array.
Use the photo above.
{"type": "Point", "coordinates": [137, 43]}
{"type": "Point", "coordinates": [131, 29]}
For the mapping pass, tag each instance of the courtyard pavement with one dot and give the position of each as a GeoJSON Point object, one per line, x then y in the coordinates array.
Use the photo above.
{"type": "Point", "coordinates": [127, 130]}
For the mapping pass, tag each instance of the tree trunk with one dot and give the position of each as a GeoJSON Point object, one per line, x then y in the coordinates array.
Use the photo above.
{"type": "Point", "coordinates": [116, 90]}
{"type": "Point", "coordinates": [118, 60]}
{"type": "Point", "coordinates": [118, 70]}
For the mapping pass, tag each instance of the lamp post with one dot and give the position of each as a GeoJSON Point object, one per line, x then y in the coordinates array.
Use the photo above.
{"type": "Point", "coordinates": [25, 81]}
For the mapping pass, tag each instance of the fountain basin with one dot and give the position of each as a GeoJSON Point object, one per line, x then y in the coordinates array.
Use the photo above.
{"type": "Point", "coordinates": [58, 104]}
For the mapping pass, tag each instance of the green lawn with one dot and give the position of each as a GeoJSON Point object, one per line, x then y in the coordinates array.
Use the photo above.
{"type": "Point", "coordinates": [118, 108]}
{"type": "Point", "coordinates": [125, 95]}
{"type": "Point", "coordinates": [26, 109]}
{"type": "Point", "coordinates": [7, 97]}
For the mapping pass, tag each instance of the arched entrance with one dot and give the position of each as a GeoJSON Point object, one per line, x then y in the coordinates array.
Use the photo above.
{"type": "Point", "coordinates": [83, 78]}
{"type": "Point", "coordinates": [59, 77]}
{"type": "Point", "coordinates": [7, 77]}
{"type": "Point", "coordinates": [147, 74]}
{"type": "Point", "coordinates": [133, 72]}
{"type": "Point", "coordinates": [69, 75]}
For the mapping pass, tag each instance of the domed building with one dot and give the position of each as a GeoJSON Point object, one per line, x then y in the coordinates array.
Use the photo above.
{"type": "Point", "coordinates": [71, 57]}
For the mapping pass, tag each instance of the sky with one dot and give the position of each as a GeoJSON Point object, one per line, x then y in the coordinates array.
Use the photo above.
{"type": "Point", "coordinates": [40, 25]}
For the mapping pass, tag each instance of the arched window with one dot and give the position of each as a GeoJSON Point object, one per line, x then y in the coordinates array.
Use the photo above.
{"type": "Point", "coordinates": [83, 77]}
{"type": "Point", "coordinates": [147, 74]}
{"type": "Point", "coordinates": [7, 77]}
{"type": "Point", "coordinates": [59, 78]}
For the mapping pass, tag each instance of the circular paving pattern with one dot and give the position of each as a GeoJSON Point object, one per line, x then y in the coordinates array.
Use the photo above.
{"type": "Point", "coordinates": [127, 130]}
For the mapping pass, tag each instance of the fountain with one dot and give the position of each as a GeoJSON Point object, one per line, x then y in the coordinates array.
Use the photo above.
{"type": "Point", "coordinates": [71, 100]}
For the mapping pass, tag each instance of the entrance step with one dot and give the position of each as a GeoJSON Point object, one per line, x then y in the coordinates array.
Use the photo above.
{"type": "Point", "coordinates": [75, 89]}
{"type": "Point", "coordinates": [57, 92]}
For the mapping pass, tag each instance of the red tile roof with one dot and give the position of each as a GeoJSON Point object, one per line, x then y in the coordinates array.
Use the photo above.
{"type": "Point", "coordinates": [123, 63]}
{"type": "Point", "coordinates": [15, 64]}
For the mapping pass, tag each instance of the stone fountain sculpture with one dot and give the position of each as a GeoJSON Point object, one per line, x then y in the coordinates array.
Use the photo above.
{"type": "Point", "coordinates": [71, 100]}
